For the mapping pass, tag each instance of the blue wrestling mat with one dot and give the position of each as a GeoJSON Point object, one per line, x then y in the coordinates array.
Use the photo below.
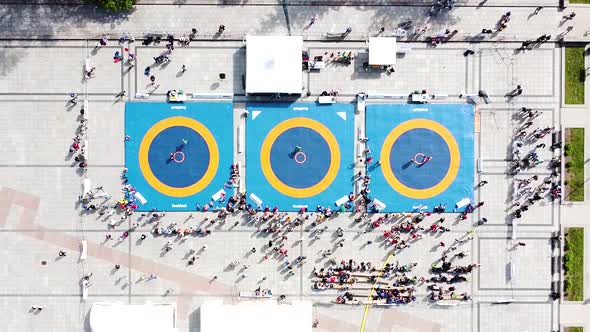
{"type": "Point", "coordinates": [299, 154]}
{"type": "Point", "coordinates": [425, 153]}
{"type": "Point", "coordinates": [178, 155]}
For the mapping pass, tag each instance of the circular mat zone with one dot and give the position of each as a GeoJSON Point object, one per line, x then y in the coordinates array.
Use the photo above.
{"type": "Point", "coordinates": [420, 158]}
{"type": "Point", "coordinates": [300, 157]}
{"type": "Point", "coordinates": [178, 156]}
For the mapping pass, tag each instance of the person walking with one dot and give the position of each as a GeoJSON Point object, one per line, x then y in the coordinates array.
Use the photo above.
{"type": "Point", "coordinates": [74, 98]}
{"type": "Point", "coordinates": [468, 53]}
{"type": "Point", "coordinates": [516, 92]}
{"type": "Point", "coordinates": [570, 16]}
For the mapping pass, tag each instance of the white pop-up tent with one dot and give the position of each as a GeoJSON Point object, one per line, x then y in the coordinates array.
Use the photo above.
{"type": "Point", "coordinates": [382, 51]}
{"type": "Point", "coordinates": [256, 316]}
{"type": "Point", "coordinates": [118, 317]}
{"type": "Point", "coordinates": [273, 64]}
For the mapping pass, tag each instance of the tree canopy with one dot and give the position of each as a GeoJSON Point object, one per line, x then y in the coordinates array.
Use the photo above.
{"type": "Point", "coordinates": [114, 5]}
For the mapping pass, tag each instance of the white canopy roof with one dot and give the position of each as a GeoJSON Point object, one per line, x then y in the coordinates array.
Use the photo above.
{"type": "Point", "coordinates": [382, 51]}
{"type": "Point", "coordinates": [273, 64]}
{"type": "Point", "coordinates": [256, 316]}
{"type": "Point", "coordinates": [115, 317]}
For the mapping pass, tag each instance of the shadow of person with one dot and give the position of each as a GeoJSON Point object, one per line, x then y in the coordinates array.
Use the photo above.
{"type": "Point", "coordinates": [170, 159]}
{"type": "Point", "coordinates": [407, 164]}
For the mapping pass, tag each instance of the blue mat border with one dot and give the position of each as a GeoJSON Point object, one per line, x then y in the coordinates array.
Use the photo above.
{"type": "Point", "coordinates": [274, 113]}
{"type": "Point", "coordinates": [457, 118]}
{"type": "Point", "coordinates": [140, 116]}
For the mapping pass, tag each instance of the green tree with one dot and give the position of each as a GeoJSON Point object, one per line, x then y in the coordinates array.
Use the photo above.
{"type": "Point", "coordinates": [113, 5]}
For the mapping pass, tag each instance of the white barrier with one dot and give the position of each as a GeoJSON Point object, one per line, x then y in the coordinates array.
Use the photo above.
{"type": "Point", "coordinates": [514, 190]}
{"type": "Point", "coordinates": [420, 208]}
{"type": "Point", "coordinates": [256, 200]}
{"type": "Point", "coordinates": [403, 49]}
{"type": "Point", "coordinates": [514, 234]}
{"type": "Point", "coordinates": [86, 185]}
{"type": "Point", "coordinates": [341, 200]}
{"type": "Point", "coordinates": [380, 205]}
{"type": "Point", "coordinates": [462, 203]}
{"type": "Point", "coordinates": [479, 165]}
{"type": "Point", "coordinates": [140, 95]}
{"type": "Point", "coordinates": [335, 34]}
{"type": "Point", "coordinates": [101, 194]}
{"type": "Point", "coordinates": [208, 95]}
{"type": "Point", "coordinates": [84, 251]}
{"type": "Point", "coordinates": [504, 301]}
{"type": "Point", "coordinates": [361, 102]}
{"type": "Point", "coordinates": [85, 290]}
{"type": "Point", "coordinates": [448, 303]}
{"type": "Point", "coordinates": [239, 139]}
{"type": "Point", "coordinates": [326, 100]}
{"type": "Point", "coordinates": [85, 149]}
{"type": "Point", "coordinates": [253, 295]}
{"type": "Point", "coordinates": [218, 195]}
{"type": "Point", "coordinates": [85, 115]}
{"type": "Point", "coordinates": [440, 96]}
{"type": "Point", "coordinates": [140, 198]}
{"type": "Point", "coordinates": [389, 96]}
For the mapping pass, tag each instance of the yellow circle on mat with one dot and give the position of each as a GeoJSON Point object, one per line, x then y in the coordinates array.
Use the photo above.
{"type": "Point", "coordinates": [454, 162]}
{"type": "Point", "coordinates": [334, 157]}
{"type": "Point", "coordinates": [146, 170]}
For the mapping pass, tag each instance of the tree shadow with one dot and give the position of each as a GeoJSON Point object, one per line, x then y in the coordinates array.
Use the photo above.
{"type": "Point", "coordinates": [17, 22]}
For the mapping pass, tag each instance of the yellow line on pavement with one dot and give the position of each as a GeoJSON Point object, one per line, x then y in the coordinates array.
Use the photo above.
{"type": "Point", "coordinates": [373, 291]}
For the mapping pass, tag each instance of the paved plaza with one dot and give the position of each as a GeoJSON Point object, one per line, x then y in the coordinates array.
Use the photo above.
{"type": "Point", "coordinates": [43, 52]}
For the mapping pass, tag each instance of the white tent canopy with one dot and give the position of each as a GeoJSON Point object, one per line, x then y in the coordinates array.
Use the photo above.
{"type": "Point", "coordinates": [273, 64]}
{"type": "Point", "coordinates": [115, 317]}
{"type": "Point", "coordinates": [256, 316]}
{"type": "Point", "coordinates": [382, 51]}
